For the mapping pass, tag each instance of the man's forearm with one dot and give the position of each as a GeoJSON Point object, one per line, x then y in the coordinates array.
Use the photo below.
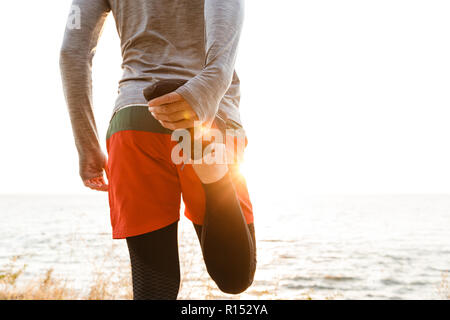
{"type": "Point", "coordinates": [79, 104]}
{"type": "Point", "coordinates": [223, 26]}
{"type": "Point", "coordinates": [76, 63]}
{"type": "Point", "coordinates": [78, 93]}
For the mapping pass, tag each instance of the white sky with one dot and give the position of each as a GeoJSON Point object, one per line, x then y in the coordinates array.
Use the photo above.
{"type": "Point", "coordinates": [337, 96]}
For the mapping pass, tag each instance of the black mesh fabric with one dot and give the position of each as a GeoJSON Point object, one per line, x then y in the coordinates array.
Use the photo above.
{"type": "Point", "coordinates": [230, 278]}
{"type": "Point", "coordinates": [155, 264]}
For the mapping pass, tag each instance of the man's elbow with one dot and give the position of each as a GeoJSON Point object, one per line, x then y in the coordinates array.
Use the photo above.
{"type": "Point", "coordinates": [219, 77]}
{"type": "Point", "coordinates": [70, 55]}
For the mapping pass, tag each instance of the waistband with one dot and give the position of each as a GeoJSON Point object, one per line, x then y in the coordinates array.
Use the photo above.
{"type": "Point", "coordinates": [137, 117]}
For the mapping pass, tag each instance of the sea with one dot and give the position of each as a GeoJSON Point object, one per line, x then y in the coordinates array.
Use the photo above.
{"type": "Point", "coordinates": [308, 247]}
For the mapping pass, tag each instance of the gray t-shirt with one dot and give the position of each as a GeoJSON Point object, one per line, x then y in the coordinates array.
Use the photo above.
{"type": "Point", "coordinates": [195, 40]}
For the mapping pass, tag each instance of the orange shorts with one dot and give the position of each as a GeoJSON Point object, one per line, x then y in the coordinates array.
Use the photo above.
{"type": "Point", "coordinates": [145, 186]}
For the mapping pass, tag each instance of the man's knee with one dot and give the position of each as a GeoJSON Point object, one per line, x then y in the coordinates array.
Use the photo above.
{"type": "Point", "coordinates": [234, 283]}
{"type": "Point", "coordinates": [235, 287]}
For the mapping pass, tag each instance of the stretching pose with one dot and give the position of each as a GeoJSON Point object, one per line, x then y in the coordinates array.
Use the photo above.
{"type": "Point", "coordinates": [191, 40]}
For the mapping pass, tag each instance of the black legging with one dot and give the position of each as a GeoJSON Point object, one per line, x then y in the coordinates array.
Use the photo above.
{"type": "Point", "coordinates": [227, 242]}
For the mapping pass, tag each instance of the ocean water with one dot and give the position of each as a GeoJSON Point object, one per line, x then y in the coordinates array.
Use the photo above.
{"type": "Point", "coordinates": [319, 247]}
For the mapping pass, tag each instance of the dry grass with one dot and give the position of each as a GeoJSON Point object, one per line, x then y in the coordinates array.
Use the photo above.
{"type": "Point", "coordinates": [44, 288]}
{"type": "Point", "coordinates": [111, 277]}
{"type": "Point", "coordinates": [444, 289]}
{"type": "Point", "coordinates": [110, 286]}
{"type": "Point", "coordinates": [114, 283]}
{"type": "Point", "coordinates": [48, 287]}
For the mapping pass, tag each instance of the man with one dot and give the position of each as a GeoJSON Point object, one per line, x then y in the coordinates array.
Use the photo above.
{"type": "Point", "coordinates": [191, 40]}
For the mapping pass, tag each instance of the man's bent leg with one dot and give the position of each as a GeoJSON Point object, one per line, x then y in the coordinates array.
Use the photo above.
{"type": "Point", "coordinates": [227, 241]}
{"type": "Point", "coordinates": [240, 275]}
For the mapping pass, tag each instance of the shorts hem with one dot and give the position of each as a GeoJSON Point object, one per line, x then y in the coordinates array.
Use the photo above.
{"type": "Point", "coordinates": [141, 230]}
{"type": "Point", "coordinates": [248, 220]}
{"type": "Point", "coordinates": [190, 218]}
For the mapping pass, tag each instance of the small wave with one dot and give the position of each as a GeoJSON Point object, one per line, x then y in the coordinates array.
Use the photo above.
{"type": "Point", "coordinates": [286, 256]}
{"type": "Point", "coordinates": [339, 278]}
{"type": "Point", "coordinates": [321, 287]}
{"type": "Point", "coordinates": [418, 283]}
{"type": "Point", "coordinates": [295, 286]}
{"type": "Point", "coordinates": [301, 278]}
{"type": "Point", "coordinates": [316, 287]}
{"type": "Point", "coordinates": [390, 282]}
{"type": "Point", "coordinates": [437, 269]}
{"type": "Point", "coordinates": [277, 240]}
{"type": "Point", "coordinates": [398, 258]}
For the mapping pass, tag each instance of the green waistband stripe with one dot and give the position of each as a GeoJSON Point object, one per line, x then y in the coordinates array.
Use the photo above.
{"type": "Point", "coordinates": [135, 118]}
{"type": "Point", "coordinates": [139, 118]}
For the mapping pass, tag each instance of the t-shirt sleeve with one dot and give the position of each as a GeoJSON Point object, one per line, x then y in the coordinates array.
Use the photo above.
{"type": "Point", "coordinates": [223, 26]}
{"type": "Point", "coordinates": [83, 29]}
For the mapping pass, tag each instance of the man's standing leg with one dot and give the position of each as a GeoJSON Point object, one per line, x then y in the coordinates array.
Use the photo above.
{"type": "Point", "coordinates": [144, 198]}
{"type": "Point", "coordinates": [155, 264]}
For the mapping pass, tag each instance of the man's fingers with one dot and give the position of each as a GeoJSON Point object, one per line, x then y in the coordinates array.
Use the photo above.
{"type": "Point", "coordinates": [97, 183]}
{"type": "Point", "coordinates": [183, 124]}
{"type": "Point", "coordinates": [103, 187]}
{"type": "Point", "coordinates": [176, 116]}
{"type": "Point", "coordinates": [170, 108]}
{"type": "Point", "coordinates": [90, 182]}
{"type": "Point", "coordinates": [172, 111]}
{"type": "Point", "coordinates": [167, 98]}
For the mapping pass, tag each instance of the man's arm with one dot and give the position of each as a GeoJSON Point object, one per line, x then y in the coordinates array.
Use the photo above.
{"type": "Point", "coordinates": [80, 40]}
{"type": "Point", "coordinates": [223, 26]}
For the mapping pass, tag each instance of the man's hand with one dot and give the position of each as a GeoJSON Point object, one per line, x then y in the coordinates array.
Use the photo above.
{"type": "Point", "coordinates": [95, 166]}
{"type": "Point", "coordinates": [172, 111]}
{"type": "Point", "coordinates": [98, 184]}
